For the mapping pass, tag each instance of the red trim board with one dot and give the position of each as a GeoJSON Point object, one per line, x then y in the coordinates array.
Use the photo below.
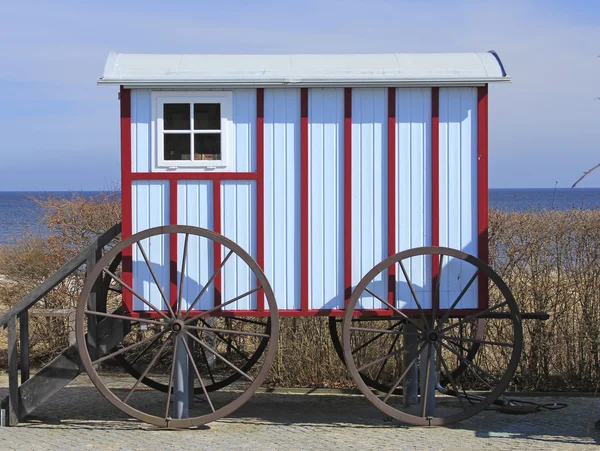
{"type": "Point", "coordinates": [304, 199]}
{"type": "Point", "coordinates": [482, 191]}
{"type": "Point", "coordinates": [126, 187]}
{"type": "Point", "coordinates": [391, 175]}
{"type": "Point", "coordinates": [347, 194]}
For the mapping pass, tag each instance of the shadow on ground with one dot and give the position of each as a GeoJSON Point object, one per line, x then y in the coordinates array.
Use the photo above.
{"type": "Point", "coordinates": [84, 408]}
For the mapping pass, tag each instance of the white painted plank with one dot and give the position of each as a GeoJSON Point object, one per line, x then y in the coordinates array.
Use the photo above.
{"type": "Point", "coordinates": [413, 191]}
{"type": "Point", "coordinates": [194, 208]}
{"type": "Point", "coordinates": [238, 223]}
{"type": "Point", "coordinates": [244, 130]}
{"type": "Point", "coordinates": [150, 200]}
{"type": "Point", "coordinates": [326, 194]}
{"type": "Point", "coordinates": [369, 189]}
{"type": "Point", "coordinates": [141, 118]}
{"type": "Point", "coordinates": [458, 190]}
{"type": "Point", "coordinates": [282, 195]}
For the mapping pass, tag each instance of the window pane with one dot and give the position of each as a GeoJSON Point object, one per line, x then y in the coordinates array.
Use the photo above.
{"type": "Point", "coordinates": [207, 116]}
{"type": "Point", "coordinates": [177, 147]}
{"type": "Point", "coordinates": [207, 146]}
{"type": "Point", "coordinates": [176, 116]}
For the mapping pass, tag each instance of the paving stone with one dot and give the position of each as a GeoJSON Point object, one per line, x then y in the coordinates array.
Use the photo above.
{"type": "Point", "coordinates": [80, 418]}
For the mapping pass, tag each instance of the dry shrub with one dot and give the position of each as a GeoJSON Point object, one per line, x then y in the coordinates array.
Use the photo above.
{"type": "Point", "coordinates": [549, 259]}
{"type": "Point", "coordinates": [72, 222]}
{"type": "Point", "coordinates": [306, 357]}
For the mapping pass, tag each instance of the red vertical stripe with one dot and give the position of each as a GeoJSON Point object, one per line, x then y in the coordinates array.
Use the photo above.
{"type": "Point", "coordinates": [173, 242]}
{"type": "Point", "coordinates": [391, 137]}
{"type": "Point", "coordinates": [126, 207]}
{"type": "Point", "coordinates": [217, 247]}
{"type": "Point", "coordinates": [347, 193]}
{"type": "Point", "coordinates": [260, 189]}
{"type": "Point", "coordinates": [304, 199]}
{"type": "Point", "coordinates": [435, 184]}
{"type": "Point", "coordinates": [482, 189]}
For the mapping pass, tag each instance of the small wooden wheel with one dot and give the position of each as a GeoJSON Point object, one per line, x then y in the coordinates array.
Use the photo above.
{"type": "Point", "coordinates": [453, 364]}
{"type": "Point", "coordinates": [221, 377]}
{"type": "Point", "coordinates": [163, 345]}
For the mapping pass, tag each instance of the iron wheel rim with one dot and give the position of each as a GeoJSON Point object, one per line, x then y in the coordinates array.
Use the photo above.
{"type": "Point", "coordinates": [227, 409]}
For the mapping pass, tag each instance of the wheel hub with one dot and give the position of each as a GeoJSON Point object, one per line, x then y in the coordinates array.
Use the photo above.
{"type": "Point", "coordinates": [177, 326]}
{"type": "Point", "coordinates": [432, 336]}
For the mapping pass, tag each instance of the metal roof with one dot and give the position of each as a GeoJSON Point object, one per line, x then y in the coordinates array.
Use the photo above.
{"type": "Point", "coordinates": [393, 69]}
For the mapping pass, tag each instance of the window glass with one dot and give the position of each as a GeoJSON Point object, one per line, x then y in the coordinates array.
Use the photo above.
{"type": "Point", "coordinates": [177, 116]}
{"type": "Point", "coordinates": [207, 146]}
{"type": "Point", "coordinates": [207, 116]}
{"type": "Point", "coordinates": [177, 146]}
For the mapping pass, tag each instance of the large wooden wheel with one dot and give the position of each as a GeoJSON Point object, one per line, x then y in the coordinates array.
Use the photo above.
{"type": "Point", "coordinates": [218, 379]}
{"type": "Point", "coordinates": [165, 344]}
{"type": "Point", "coordinates": [441, 366]}
{"type": "Point", "coordinates": [380, 381]}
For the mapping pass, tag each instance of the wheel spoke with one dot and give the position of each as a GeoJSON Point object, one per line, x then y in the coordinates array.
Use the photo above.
{"type": "Point", "coordinates": [229, 342]}
{"type": "Point", "coordinates": [219, 356]}
{"type": "Point", "coordinates": [139, 356]}
{"type": "Point", "coordinates": [435, 299]}
{"type": "Point", "coordinates": [183, 260]}
{"type": "Point", "coordinates": [473, 340]}
{"type": "Point", "coordinates": [135, 293]}
{"type": "Point", "coordinates": [414, 294]}
{"type": "Point", "coordinates": [386, 360]}
{"type": "Point", "coordinates": [148, 368]}
{"type": "Point", "coordinates": [460, 296]}
{"type": "Point", "coordinates": [127, 348]}
{"type": "Point", "coordinates": [251, 321]}
{"type": "Point", "coordinates": [220, 306]}
{"type": "Point", "coordinates": [404, 373]}
{"type": "Point", "coordinates": [451, 378]}
{"type": "Point", "coordinates": [189, 353]}
{"type": "Point", "coordinates": [228, 331]}
{"type": "Point", "coordinates": [158, 285]}
{"type": "Point", "coordinates": [381, 331]}
{"type": "Point", "coordinates": [403, 315]}
{"type": "Point", "coordinates": [380, 359]}
{"type": "Point", "coordinates": [472, 317]}
{"type": "Point", "coordinates": [473, 366]}
{"type": "Point", "coordinates": [210, 374]}
{"type": "Point", "coordinates": [170, 388]}
{"type": "Point", "coordinates": [427, 385]}
{"type": "Point", "coordinates": [371, 340]}
{"type": "Point", "coordinates": [126, 318]}
{"type": "Point", "coordinates": [210, 281]}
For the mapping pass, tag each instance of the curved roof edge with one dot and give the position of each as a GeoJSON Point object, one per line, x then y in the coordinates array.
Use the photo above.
{"type": "Point", "coordinates": [393, 69]}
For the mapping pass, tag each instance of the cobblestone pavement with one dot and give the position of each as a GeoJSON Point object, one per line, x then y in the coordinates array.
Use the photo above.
{"type": "Point", "coordinates": [80, 418]}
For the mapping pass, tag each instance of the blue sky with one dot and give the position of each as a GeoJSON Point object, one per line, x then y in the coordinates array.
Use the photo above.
{"type": "Point", "coordinates": [60, 131]}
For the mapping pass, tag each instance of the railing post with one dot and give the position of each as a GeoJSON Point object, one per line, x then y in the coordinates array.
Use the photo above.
{"type": "Point", "coordinates": [24, 345]}
{"type": "Point", "coordinates": [13, 376]}
{"type": "Point", "coordinates": [93, 299]}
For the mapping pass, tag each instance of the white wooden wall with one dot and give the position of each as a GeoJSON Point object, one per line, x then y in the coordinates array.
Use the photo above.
{"type": "Point", "coordinates": [458, 189]}
{"type": "Point", "coordinates": [326, 194]}
{"type": "Point", "coordinates": [282, 195]}
{"type": "Point", "coordinates": [369, 221]}
{"type": "Point", "coordinates": [413, 191]}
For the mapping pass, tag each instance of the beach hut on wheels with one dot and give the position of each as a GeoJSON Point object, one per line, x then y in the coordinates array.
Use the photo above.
{"type": "Point", "coordinates": [256, 187]}
{"type": "Point", "coordinates": [261, 186]}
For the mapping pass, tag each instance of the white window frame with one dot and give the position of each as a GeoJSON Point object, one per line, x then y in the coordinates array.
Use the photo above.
{"type": "Point", "coordinates": [160, 98]}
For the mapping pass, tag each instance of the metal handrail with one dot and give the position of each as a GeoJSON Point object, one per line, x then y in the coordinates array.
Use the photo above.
{"type": "Point", "coordinates": [68, 268]}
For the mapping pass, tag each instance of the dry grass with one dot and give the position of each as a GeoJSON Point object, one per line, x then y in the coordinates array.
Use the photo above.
{"type": "Point", "coordinates": [550, 260]}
